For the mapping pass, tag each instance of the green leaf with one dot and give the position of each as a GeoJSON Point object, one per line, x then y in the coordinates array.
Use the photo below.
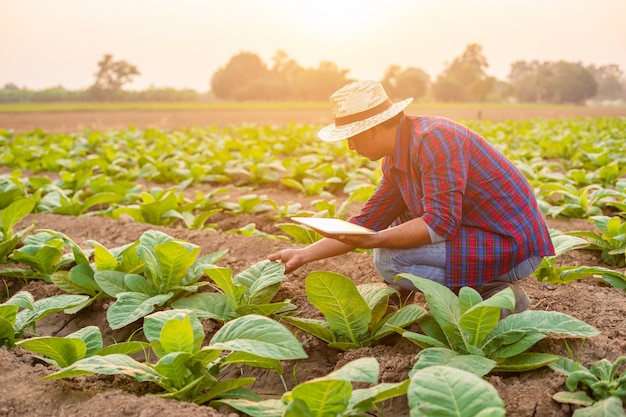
{"type": "Point", "coordinates": [177, 336]}
{"type": "Point", "coordinates": [156, 322]}
{"type": "Point", "coordinates": [260, 336]}
{"type": "Point", "coordinates": [324, 398]}
{"type": "Point", "coordinates": [16, 211]}
{"type": "Point", "coordinates": [444, 307]}
{"type": "Point", "coordinates": [446, 391]}
{"type": "Point", "coordinates": [358, 370]}
{"type": "Point", "coordinates": [103, 259]}
{"type": "Point", "coordinates": [266, 408]}
{"type": "Point", "coordinates": [131, 306]}
{"type": "Point", "coordinates": [174, 260]}
{"type": "Point", "coordinates": [315, 327]}
{"type": "Point", "coordinates": [261, 281]}
{"type": "Point", "coordinates": [172, 367]}
{"type": "Point", "coordinates": [92, 336]}
{"type": "Point", "coordinates": [63, 351]}
{"type": "Point", "coordinates": [115, 364]}
{"type": "Point", "coordinates": [206, 305]}
{"type": "Point", "coordinates": [340, 302]}
{"type": "Point", "coordinates": [111, 282]}
{"type": "Point", "coordinates": [478, 365]}
{"type": "Point", "coordinates": [527, 361]}
{"type": "Point", "coordinates": [578, 398]}
{"type": "Point", "coordinates": [609, 407]}
{"type": "Point", "coordinates": [402, 318]}
{"type": "Point", "coordinates": [127, 348]}
{"type": "Point", "coordinates": [479, 320]}
{"type": "Point", "coordinates": [362, 400]}
{"type": "Point", "coordinates": [530, 321]}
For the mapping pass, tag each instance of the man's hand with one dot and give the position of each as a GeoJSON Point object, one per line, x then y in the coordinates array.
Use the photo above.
{"type": "Point", "coordinates": [291, 258]}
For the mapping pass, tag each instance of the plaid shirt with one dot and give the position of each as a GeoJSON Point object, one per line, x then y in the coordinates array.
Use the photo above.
{"type": "Point", "coordinates": [467, 191]}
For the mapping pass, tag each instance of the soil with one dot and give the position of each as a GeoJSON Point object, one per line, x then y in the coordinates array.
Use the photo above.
{"type": "Point", "coordinates": [524, 394]}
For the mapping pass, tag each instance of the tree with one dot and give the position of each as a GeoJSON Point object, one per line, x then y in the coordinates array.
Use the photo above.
{"type": "Point", "coordinates": [317, 84]}
{"type": "Point", "coordinates": [610, 80]}
{"type": "Point", "coordinates": [552, 82]}
{"type": "Point", "coordinates": [241, 79]}
{"type": "Point", "coordinates": [400, 84]}
{"type": "Point", "coordinates": [465, 79]}
{"type": "Point", "coordinates": [113, 75]}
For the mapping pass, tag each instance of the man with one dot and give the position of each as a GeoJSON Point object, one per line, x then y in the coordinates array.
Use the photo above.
{"type": "Point", "coordinates": [450, 207]}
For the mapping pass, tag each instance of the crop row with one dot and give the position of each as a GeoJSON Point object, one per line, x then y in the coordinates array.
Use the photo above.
{"type": "Point", "coordinates": [575, 166]}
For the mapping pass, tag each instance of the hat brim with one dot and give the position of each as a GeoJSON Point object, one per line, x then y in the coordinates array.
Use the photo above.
{"type": "Point", "coordinates": [332, 133]}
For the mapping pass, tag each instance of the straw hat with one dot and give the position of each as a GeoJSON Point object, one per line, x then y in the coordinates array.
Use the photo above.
{"type": "Point", "coordinates": [357, 107]}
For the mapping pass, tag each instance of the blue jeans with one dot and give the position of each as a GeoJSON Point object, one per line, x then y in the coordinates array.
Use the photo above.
{"type": "Point", "coordinates": [429, 261]}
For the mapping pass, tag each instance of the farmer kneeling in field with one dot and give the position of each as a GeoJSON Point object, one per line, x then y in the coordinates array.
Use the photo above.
{"type": "Point", "coordinates": [450, 207]}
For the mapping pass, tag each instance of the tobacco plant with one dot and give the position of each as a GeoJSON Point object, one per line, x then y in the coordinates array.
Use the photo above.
{"type": "Point", "coordinates": [186, 370]}
{"type": "Point", "coordinates": [356, 316]}
{"type": "Point", "coordinates": [610, 239]}
{"type": "Point", "coordinates": [154, 271]}
{"type": "Point", "coordinates": [248, 292]}
{"type": "Point", "coordinates": [466, 330]}
{"type": "Point", "coordinates": [549, 272]}
{"type": "Point", "coordinates": [601, 389]}
{"type": "Point", "coordinates": [330, 395]}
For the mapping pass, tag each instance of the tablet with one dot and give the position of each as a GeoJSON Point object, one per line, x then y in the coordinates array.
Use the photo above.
{"type": "Point", "coordinates": [334, 226]}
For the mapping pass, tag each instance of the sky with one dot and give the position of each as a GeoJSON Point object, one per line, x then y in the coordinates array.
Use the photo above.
{"type": "Point", "coordinates": [181, 43]}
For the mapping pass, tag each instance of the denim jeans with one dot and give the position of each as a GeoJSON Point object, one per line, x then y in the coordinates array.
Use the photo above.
{"type": "Point", "coordinates": [429, 261]}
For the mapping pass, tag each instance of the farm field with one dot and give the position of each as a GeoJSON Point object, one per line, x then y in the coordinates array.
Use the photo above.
{"type": "Point", "coordinates": [529, 393]}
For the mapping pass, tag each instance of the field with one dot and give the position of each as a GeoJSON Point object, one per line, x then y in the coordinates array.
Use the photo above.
{"type": "Point", "coordinates": [529, 393]}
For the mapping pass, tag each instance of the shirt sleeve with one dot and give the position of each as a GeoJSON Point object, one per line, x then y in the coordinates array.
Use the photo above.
{"type": "Point", "coordinates": [444, 161]}
{"type": "Point", "coordinates": [382, 208]}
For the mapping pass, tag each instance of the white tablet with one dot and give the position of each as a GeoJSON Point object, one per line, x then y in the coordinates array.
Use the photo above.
{"type": "Point", "coordinates": [334, 226]}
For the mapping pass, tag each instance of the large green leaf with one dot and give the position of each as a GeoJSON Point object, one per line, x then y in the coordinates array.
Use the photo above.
{"type": "Point", "coordinates": [12, 214]}
{"type": "Point", "coordinates": [337, 297]}
{"type": "Point", "coordinates": [444, 307]}
{"type": "Point", "coordinates": [261, 281]}
{"type": "Point", "coordinates": [177, 335]}
{"type": "Point", "coordinates": [44, 307]}
{"type": "Point", "coordinates": [155, 323]}
{"type": "Point", "coordinates": [111, 282]}
{"type": "Point", "coordinates": [131, 306]}
{"type": "Point", "coordinates": [63, 351]}
{"type": "Point", "coordinates": [260, 336]}
{"type": "Point", "coordinates": [402, 318]}
{"type": "Point", "coordinates": [325, 397]}
{"type": "Point", "coordinates": [174, 260]}
{"type": "Point", "coordinates": [444, 391]}
{"type": "Point", "coordinates": [206, 305]}
{"type": "Point", "coordinates": [172, 367]}
{"type": "Point", "coordinates": [92, 336]}
{"type": "Point", "coordinates": [362, 400]}
{"type": "Point", "coordinates": [530, 321]}
{"type": "Point", "coordinates": [116, 364]}
{"type": "Point", "coordinates": [479, 320]}
{"type": "Point", "coordinates": [478, 365]}
{"type": "Point", "coordinates": [526, 361]}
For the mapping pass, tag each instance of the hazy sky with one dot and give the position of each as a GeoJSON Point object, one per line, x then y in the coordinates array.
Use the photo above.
{"type": "Point", "coordinates": [181, 43]}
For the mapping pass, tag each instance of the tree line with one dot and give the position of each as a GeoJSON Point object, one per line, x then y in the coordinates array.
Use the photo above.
{"type": "Point", "coordinates": [246, 77]}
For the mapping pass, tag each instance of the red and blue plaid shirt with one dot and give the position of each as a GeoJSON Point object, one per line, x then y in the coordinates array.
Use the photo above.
{"type": "Point", "coordinates": [467, 192]}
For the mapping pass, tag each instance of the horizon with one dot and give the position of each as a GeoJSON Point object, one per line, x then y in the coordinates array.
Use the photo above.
{"type": "Point", "coordinates": [48, 44]}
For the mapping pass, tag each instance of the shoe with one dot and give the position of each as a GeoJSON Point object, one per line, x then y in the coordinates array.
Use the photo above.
{"type": "Point", "coordinates": [522, 302]}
